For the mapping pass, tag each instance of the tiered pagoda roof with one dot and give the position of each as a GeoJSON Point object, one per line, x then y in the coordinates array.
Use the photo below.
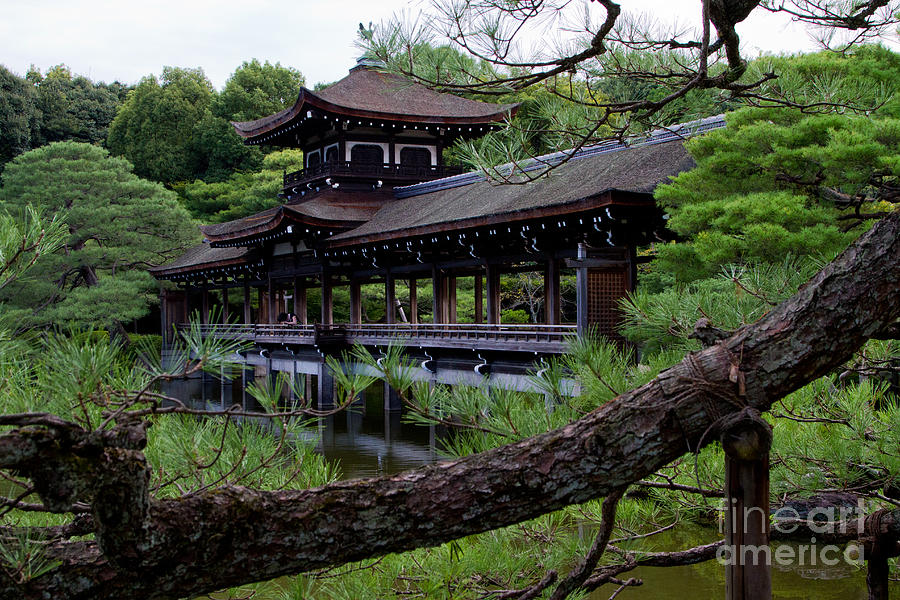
{"type": "Point", "coordinates": [370, 97]}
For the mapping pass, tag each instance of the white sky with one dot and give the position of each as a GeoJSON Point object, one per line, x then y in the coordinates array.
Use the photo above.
{"type": "Point", "coordinates": [125, 40]}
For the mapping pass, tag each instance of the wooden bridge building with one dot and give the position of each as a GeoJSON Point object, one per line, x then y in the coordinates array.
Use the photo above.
{"type": "Point", "coordinates": [376, 204]}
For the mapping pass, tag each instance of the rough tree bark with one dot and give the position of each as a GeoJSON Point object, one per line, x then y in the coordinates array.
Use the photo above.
{"type": "Point", "coordinates": [230, 536]}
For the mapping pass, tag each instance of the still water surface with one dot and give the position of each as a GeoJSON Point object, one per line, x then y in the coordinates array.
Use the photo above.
{"type": "Point", "coordinates": [370, 441]}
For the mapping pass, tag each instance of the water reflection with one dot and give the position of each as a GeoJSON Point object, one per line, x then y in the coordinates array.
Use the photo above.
{"type": "Point", "coordinates": [364, 441]}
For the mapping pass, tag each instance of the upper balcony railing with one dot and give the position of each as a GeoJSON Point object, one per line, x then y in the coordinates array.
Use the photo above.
{"type": "Point", "coordinates": [375, 171]}
{"type": "Point", "coordinates": [551, 339]}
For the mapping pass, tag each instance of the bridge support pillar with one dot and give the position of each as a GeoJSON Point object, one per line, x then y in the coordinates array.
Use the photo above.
{"type": "Point", "coordinates": [325, 388]}
{"type": "Point", "coordinates": [492, 277]}
{"type": "Point", "coordinates": [391, 399]}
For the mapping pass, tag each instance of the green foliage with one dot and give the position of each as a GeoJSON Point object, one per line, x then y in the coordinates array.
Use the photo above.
{"type": "Point", "coordinates": [73, 108]}
{"type": "Point", "coordinates": [154, 128]}
{"type": "Point", "coordinates": [19, 116]}
{"type": "Point", "coordinates": [664, 321]}
{"type": "Point", "coordinates": [765, 187]}
{"type": "Point", "coordinates": [241, 194]}
{"type": "Point", "coordinates": [118, 225]}
{"type": "Point", "coordinates": [256, 90]}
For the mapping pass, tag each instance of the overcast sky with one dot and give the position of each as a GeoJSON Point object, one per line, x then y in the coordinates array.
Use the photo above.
{"type": "Point", "coordinates": [125, 40]}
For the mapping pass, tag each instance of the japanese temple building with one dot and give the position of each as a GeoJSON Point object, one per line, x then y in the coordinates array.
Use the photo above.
{"type": "Point", "coordinates": [376, 204]}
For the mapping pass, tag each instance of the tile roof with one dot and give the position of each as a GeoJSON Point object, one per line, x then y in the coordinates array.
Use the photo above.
{"type": "Point", "coordinates": [373, 94]}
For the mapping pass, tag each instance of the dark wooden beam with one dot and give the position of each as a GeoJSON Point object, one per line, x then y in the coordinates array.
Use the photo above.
{"type": "Point", "coordinates": [479, 298]}
{"type": "Point", "coordinates": [413, 302]}
{"type": "Point", "coordinates": [248, 314]}
{"type": "Point", "coordinates": [327, 301]}
{"type": "Point", "coordinates": [355, 302]}
{"type": "Point", "coordinates": [551, 293]}
{"type": "Point", "coordinates": [492, 280]}
{"type": "Point", "coordinates": [225, 312]}
{"type": "Point", "coordinates": [451, 299]}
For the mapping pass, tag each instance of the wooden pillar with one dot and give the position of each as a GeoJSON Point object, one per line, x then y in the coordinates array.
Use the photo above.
{"type": "Point", "coordinates": [204, 305]}
{"type": "Point", "coordinates": [492, 280]}
{"type": "Point", "coordinates": [325, 387]}
{"type": "Point", "coordinates": [187, 303]}
{"type": "Point", "coordinates": [581, 293]}
{"type": "Point", "coordinates": [164, 315]}
{"type": "Point", "coordinates": [413, 303]}
{"type": "Point", "coordinates": [300, 302]}
{"type": "Point", "coordinates": [479, 299]}
{"type": "Point", "coordinates": [437, 308]}
{"type": "Point", "coordinates": [390, 295]}
{"type": "Point", "coordinates": [327, 306]}
{"type": "Point", "coordinates": [248, 314]}
{"type": "Point", "coordinates": [355, 302]}
{"type": "Point", "coordinates": [270, 301]}
{"type": "Point", "coordinates": [225, 311]}
{"type": "Point", "coordinates": [551, 293]}
{"type": "Point", "coordinates": [262, 317]}
{"type": "Point", "coordinates": [746, 444]}
{"type": "Point", "coordinates": [451, 299]}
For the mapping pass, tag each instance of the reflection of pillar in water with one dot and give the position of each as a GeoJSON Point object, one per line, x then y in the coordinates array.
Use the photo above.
{"type": "Point", "coordinates": [391, 399]}
{"type": "Point", "coordinates": [247, 380]}
{"type": "Point", "coordinates": [326, 431]}
{"type": "Point", "coordinates": [354, 422]}
{"type": "Point", "coordinates": [222, 387]}
{"type": "Point", "coordinates": [391, 426]}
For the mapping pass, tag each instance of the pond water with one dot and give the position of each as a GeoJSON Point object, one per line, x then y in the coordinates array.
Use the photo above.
{"type": "Point", "coordinates": [369, 441]}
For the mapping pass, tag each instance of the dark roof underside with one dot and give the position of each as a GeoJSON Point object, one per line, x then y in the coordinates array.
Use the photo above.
{"type": "Point", "coordinates": [635, 170]}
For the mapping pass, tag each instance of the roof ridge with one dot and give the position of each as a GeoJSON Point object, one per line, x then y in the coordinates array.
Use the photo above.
{"type": "Point", "coordinates": [656, 136]}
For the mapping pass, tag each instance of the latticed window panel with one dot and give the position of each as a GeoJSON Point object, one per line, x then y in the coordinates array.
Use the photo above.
{"type": "Point", "coordinates": [605, 288]}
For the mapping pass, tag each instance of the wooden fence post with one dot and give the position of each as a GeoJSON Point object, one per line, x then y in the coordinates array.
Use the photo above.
{"type": "Point", "coordinates": [746, 442]}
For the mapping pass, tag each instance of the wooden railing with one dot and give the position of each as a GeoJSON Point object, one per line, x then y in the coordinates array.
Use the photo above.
{"type": "Point", "coordinates": [368, 170]}
{"type": "Point", "coordinates": [476, 336]}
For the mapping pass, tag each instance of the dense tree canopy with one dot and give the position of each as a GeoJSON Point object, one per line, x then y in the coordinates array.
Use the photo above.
{"type": "Point", "coordinates": [257, 89]}
{"type": "Point", "coordinates": [73, 108]}
{"type": "Point", "coordinates": [118, 223]}
{"type": "Point", "coordinates": [154, 129]}
{"type": "Point", "coordinates": [19, 117]}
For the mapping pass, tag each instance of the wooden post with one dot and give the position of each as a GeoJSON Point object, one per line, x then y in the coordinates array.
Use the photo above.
{"type": "Point", "coordinates": [877, 576]}
{"type": "Point", "coordinates": [390, 294]}
{"type": "Point", "coordinates": [248, 313]}
{"type": "Point", "coordinates": [437, 308]}
{"type": "Point", "coordinates": [204, 305]}
{"type": "Point", "coordinates": [413, 303]}
{"type": "Point", "coordinates": [451, 299]}
{"type": "Point", "coordinates": [355, 302]}
{"type": "Point", "coordinates": [300, 302]}
{"type": "Point", "coordinates": [270, 301]}
{"type": "Point", "coordinates": [492, 278]}
{"type": "Point", "coordinates": [164, 315]}
{"type": "Point", "coordinates": [327, 307]}
{"type": "Point", "coordinates": [262, 317]}
{"type": "Point", "coordinates": [187, 303]}
{"type": "Point", "coordinates": [746, 443]}
{"type": "Point", "coordinates": [479, 299]}
{"type": "Point", "coordinates": [225, 312]}
{"type": "Point", "coordinates": [551, 293]}
{"type": "Point", "coordinates": [581, 294]}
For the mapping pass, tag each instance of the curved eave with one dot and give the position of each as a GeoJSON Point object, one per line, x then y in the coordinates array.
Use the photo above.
{"type": "Point", "coordinates": [251, 130]}
{"type": "Point", "coordinates": [607, 198]}
{"type": "Point", "coordinates": [281, 217]}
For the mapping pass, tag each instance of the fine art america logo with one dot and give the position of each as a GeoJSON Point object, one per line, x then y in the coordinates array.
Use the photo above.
{"type": "Point", "coordinates": [827, 522]}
